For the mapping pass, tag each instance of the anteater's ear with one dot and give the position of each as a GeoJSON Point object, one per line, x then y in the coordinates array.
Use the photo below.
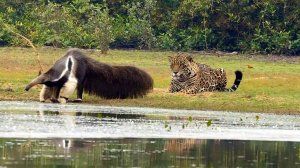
{"type": "Point", "coordinates": [170, 58]}
{"type": "Point", "coordinates": [189, 58]}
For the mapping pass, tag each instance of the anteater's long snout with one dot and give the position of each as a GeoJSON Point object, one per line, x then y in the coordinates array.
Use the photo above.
{"type": "Point", "coordinates": [38, 80]}
{"type": "Point", "coordinates": [28, 87]}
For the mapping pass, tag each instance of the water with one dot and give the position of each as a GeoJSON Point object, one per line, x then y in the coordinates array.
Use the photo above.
{"type": "Point", "coordinates": [147, 153]}
{"type": "Point", "coordinates": [74, 135]}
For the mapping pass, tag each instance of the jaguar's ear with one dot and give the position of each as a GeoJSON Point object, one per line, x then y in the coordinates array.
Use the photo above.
{"type": "Point", "coordinates": [189, 58]}
{"type": "Point", "coordinates": [170, 58]}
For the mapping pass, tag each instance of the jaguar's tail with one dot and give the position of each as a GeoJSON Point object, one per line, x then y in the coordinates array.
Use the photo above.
{"type": "Point", "coordinates": [238, 79]}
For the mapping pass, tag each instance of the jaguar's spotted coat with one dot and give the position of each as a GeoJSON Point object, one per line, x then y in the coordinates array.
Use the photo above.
{"type": "Point", "coordinates": [190, 77]}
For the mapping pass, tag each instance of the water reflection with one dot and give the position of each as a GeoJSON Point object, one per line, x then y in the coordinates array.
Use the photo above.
{"type": "Point", "coordinates": [90, 114]}
{"type": "Point", "coordinates": [38, 120]}
{"type": "Point", "coordinates": [147, 153]}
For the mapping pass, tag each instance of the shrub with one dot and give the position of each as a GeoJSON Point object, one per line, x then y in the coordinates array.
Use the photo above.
{"type": "Point", "coordinates": [248, 26]}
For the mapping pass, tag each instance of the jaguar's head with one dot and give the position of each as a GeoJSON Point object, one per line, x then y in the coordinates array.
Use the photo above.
{"type": "Point", "coordinates": [182, 67]}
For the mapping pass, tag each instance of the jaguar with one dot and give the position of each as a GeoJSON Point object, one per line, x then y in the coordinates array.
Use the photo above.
{"type": "Point", "coordinates": [190, 77]}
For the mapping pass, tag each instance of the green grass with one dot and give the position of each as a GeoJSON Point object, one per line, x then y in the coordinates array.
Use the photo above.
{"type": "Point", "coordinates": [272, 85]}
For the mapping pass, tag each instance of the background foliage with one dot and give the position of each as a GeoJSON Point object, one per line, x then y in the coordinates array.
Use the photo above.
{"type": "Point", "coordinates": [267, 26]}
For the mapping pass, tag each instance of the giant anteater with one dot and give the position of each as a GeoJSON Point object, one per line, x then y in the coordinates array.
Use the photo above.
{"type": "Point", "coordinates": [75, 70]}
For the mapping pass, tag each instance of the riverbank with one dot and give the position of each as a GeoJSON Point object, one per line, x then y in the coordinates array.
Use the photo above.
{"type": "Point", "coordinates": [270, 83]}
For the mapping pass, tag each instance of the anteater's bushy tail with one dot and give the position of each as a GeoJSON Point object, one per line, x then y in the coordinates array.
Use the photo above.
{"type": "Point", "coordinates": [113, 82]}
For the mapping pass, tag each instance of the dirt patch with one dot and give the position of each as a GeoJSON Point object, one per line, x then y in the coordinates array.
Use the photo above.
{"type": "Point", "coordinates": [207, 94]}
{"type": "Point", "coordinates": [275, 58]}
{"type": "Point", "coordinates": [266, 98]}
